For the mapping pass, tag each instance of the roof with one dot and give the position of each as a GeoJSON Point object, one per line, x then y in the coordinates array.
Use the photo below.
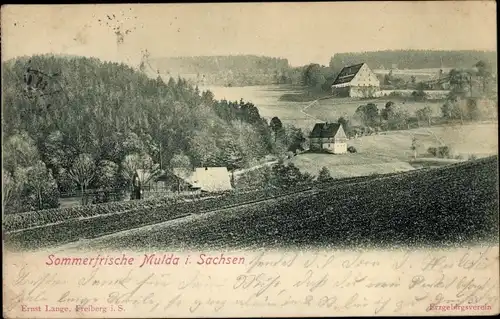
{"type": "Point", "coordinates": [212, 179]}
{"type": "Point", "coordinates": [182, 173]}
{"type": "Point", "coordinates": [325, 130]}
{"type": "Point", "coordinates": [167, 175]}
{"type": "Point", "coordinates": [347, 74]}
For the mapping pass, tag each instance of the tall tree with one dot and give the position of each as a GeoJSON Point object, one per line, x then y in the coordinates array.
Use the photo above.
{"type": "Point", "coordinates": [82, 172]}
{"type": "Point", "coordinates": [19, 151]}
{"type": "Point", "coordinates": [276, 126]}
{"type": "Point", "coordinates": [41, 182]}
{"type": "Point", "coordinates": [395, 115]}
{"type": "Point", "coordinates": [484, 72]}
{"type": "Point", "coordinates": [134, 162]}
{"type": "Point", "coordinates": [107, 173]}
{"type": "Point", "coordinates": [460, 81]}
{"type": "Point", "coordinates": [425, 114]}
{"type": "Point", "coordinates": [368, 113]}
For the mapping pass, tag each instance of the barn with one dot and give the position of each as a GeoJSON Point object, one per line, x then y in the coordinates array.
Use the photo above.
{"type": "Point", "coordinates": [356, 81]}
{"type": "Point", "coordinates": [328, 137]}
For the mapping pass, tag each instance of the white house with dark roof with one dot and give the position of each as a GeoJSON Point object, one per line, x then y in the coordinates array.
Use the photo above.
{"type": "Point", "coordinates": [356, 81]}
{"type": "Point", "coordinates": [328, 137]}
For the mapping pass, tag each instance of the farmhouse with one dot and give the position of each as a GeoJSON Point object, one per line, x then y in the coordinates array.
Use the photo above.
{"type": "Point", "coordinates": [329, 137]}
{"type": "Point", "coordinates": [356, 81]}
{"type": "Point", "coordinates": [211, 179]}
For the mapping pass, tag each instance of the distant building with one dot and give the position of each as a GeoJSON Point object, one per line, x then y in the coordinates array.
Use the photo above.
{"type": "Point", "coordinates": [211, 179]}
{"type": "Point", "coordinates": [356, 81]}
{"type": "Point", "coordinates": [328, 137]}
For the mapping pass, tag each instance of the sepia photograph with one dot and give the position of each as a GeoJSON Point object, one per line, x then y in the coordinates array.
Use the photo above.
{"type": "Point", "coordinates": [228, 159]}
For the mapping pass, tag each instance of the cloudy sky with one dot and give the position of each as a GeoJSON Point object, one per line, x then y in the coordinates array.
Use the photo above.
{"type": "Point", "coordinates": [300, 32]}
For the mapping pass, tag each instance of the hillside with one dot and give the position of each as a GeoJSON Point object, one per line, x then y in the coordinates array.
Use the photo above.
{"type": "Point", "coordinates": [215, 64]}
{"type": "Point", "coordinates": [61, 113]}
{"type": "Point", "coordinates": [414, 59]}
{"type": "Point", "coordinates": [452, 205]}
{"type": "Point", "coordinates": [238, 70]}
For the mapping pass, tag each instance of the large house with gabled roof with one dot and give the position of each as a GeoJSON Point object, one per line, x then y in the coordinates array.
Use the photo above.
{"type": "Point", "coordinates": [328, 137]}
{"type": "Point", "coordinates": [356, 81]}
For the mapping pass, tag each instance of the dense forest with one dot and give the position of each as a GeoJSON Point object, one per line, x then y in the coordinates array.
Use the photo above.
{"type": "Point", "coordinates": [413, 59]}
{"type": "Point", "coordinates": [238, 70]}
{"type": "Point", "coordinates": [77, 123]}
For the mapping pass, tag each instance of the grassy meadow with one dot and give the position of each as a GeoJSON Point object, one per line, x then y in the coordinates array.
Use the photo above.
{"type": "Point", "coordinates": [387, 152]}
{"type": "Point", "coordinates": [267, 100]}
{"type": "Point", "coordinates": [390, 152]}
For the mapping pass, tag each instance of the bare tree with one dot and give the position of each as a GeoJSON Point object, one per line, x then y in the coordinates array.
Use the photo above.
{"type": "Point", "coordinates": [141, 165]}
{"type": "Point", "coordinates": [83, 172]}
{"type": "Point", "coordinates": [414, 146]}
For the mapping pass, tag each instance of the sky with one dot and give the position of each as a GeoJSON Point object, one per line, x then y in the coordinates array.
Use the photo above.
{"type": "Point", "coordinates": [301, 32]}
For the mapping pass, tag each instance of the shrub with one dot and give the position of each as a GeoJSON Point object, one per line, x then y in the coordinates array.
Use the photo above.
{"type": "Point", "coordinates": [419, 95]}
{"type": "Point", "coordinates": [472, 157]}
{"type": "Point", "coordinates": [352, 149]}
{"type": "Point", "coordinates": [324, 175]}
{"type": "Point", "coordinates": [432, 151]}
{"type": "Point", "coordinates": [443, 152]}
{"type": "Point", "coordinates": [395, 94]}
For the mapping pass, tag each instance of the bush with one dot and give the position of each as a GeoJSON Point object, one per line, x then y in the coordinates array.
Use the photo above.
{"type": "Point", "coordinates": [432, 151]}
{"type": "Point", "coordinates": [352, 149]}
{"type": "Point", "coordinates": [440, 152]}
{"type": "Point", "coordinates": [443, 152]}
{"type": "Point", "coordinates": [395, 94]}
{"type": "Point", "coordinates": [419, 95]}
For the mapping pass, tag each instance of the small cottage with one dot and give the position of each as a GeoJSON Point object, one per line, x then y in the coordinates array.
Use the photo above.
{"type": "Point", "coordinates": [328, 137]}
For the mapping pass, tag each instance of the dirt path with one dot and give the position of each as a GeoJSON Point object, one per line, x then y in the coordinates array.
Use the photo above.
{"type": "Point", "coordinates": [245, 170]}
{"type": "Point", "coordinates": [440, 141]}
{"type": "Point", "coordinates": [303, 111]}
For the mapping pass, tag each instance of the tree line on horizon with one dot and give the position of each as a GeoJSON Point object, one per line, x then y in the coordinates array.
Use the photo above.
{"type": "Point", "coordinates": [243, 70]}
{"type": "Point", "coordinates": [413, 59]}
